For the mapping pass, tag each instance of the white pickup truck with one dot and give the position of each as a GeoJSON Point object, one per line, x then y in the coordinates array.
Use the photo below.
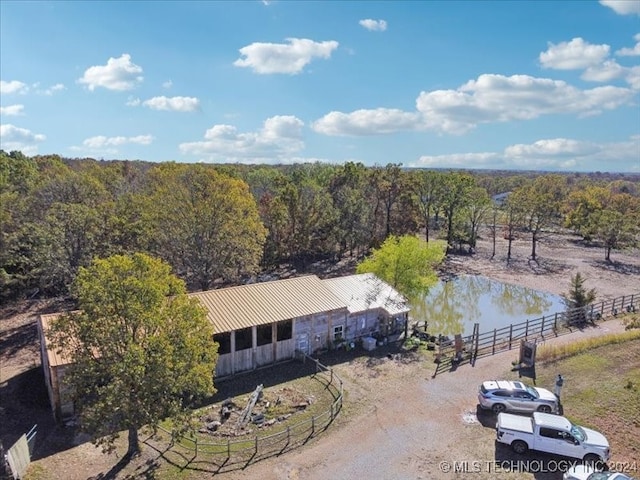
{"type": "Point", "coordinates": [552, 434]}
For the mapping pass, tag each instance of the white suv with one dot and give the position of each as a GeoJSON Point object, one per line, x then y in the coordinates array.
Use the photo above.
{"type": "Point", "coordinates": [506, 395]}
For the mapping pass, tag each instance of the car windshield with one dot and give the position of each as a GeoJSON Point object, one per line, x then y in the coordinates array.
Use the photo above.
{"type": "Point", "coordinates": [532, 391]}
{"type": "Point", "coordinates": [578, 433]}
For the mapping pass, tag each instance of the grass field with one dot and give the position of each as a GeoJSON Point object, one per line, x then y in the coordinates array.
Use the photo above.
{"type": "Point", "coordinates": [601, 389]}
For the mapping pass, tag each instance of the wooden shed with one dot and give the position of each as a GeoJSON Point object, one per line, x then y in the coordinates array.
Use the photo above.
{"type": "Point", "coordinates": [264, 323]}
{"type": "Point", "coordinates": [54, 364]}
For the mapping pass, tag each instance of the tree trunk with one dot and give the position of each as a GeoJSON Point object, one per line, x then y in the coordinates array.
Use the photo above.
{"type": "Point", "coordinates": [607, 254]}
{"type": "Point", "coordinates": [533, 246]}
{"type": "Point", "coordinates": [509, 249]}
{"type": "Point", "coordinates": [134, 444]}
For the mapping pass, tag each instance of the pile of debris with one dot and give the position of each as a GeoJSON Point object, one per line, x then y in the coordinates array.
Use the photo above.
{"type": "Point", "coordinates": [260, 411]}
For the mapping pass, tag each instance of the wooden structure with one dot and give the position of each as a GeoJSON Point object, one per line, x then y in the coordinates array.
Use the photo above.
{"type": "Point", "coordinates": [264, 323]}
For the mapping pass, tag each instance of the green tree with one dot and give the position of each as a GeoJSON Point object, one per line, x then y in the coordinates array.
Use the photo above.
{"type": "Point", "coordinates": [458, 188]}
{"type": "Point", "coordinates": [539, 202]}
{"type": "Point", "coordinates": [406, 263]}
{"type": "Point", "coordinates": [618, 224]}
{"type": "Point", "coordinates": [351, 195]}
{"type": "Point", "coordinates": [428, 190]}
{"type": "Point", "coordinates": [207, 224]}
{"type": "Point", "coordinates": [578, 297]}
{"type": "Point", "coordinates": [141, 349]}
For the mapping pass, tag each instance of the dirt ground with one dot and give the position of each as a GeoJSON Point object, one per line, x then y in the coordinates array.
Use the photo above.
{"type": "Point", "coordinates": [397, 422]}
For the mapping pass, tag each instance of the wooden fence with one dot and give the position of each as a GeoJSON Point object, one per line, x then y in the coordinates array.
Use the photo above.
{"type": "Point", "coordinates": [190, 452]}
{"type": "Point", "coordinates": [469, 348]}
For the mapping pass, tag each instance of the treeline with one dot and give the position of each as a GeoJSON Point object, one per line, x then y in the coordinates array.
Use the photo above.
{"type": "Point", "coordinates": [225, 223]}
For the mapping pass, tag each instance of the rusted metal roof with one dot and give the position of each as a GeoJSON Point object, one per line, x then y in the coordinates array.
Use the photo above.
{"type": "Point", "coordinates": [367, 292]}
{"type": "Point", "coordinates": [244, 306]}
{"type": "Point", "coordinates": [56, 358]}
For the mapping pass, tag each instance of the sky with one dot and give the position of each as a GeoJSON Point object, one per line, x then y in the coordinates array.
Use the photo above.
{"type": "Point", "coordinates": [510, 85]}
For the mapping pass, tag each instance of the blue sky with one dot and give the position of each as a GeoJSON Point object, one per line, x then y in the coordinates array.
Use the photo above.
{"type": "Point", "coordinates": [540, 85]}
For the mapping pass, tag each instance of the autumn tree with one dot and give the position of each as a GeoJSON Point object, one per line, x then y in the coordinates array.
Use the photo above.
{"type": "Point", "coordinates": [428, 190]}
{"type": "Point", "coordinates": [457, 191]}
{"type": "Point", "coordinates": [207, 224]}
{"type": "Point", "coordinates": [351, 199]}
{"type": "Point", "coordinates": [617, 224]}
{"type": "Point", "coordinates": [539, 204]}
{"type": "Point", "coordinates": [406, 263]}
{"type": "Point", "coordinates": [141, 350]}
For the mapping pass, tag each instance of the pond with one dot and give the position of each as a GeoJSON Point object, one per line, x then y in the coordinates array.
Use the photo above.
{"type": "Point", "coordinates": [453, 306]}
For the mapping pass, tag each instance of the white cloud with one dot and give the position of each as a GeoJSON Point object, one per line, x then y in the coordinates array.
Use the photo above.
{"type": "Point", "coordinates": [557, 154]}
{"type": "Point", "coordinates": [133, 102]}
{"type": "Point", "coordinates": [14, 86]}
{"type": "Point", "coordinates": [605, 72]}
{"type": "Point", "coordinates": [16, 138]}
{"type": "Point", "coordinates": [366, 122]}
{"type": "Point", "coordinates": [631, 52]}
{"type": "Point", "coordinates": [633, 77]}
{"type": "Point", "coordinates": [374, 25]}
{"type": "Point", "coordinates": [168, 84]}
{"type": "Point", "coordinates": [101, 141]}
{"type": "Point", "coordinates": [623, 7]}
{"type": "Point", "coordinates": [174, 104]}
{"type": "Point", "coordinates": [279, 138]}
{"type": "Point", "coordinates": [118, 74]}
{"type": "Point", "coordinates": [496, 98]}
{"type": "Point", "coordinates": [573, 55]}
{"type": "Point", "coordinates": [289, 57]}
{"type": "Point", "coordinates": [12, 110]}
{"type": "Point", "coordinates": [58, 87]}
{"type": "Point", "coordinates": [489, 99]}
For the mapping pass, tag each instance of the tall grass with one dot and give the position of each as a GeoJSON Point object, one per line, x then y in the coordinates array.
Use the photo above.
{"type": "Point", "coordinates": [553, 353]}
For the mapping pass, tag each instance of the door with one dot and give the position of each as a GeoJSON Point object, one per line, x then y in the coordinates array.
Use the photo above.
{"type": "Point", "coordinates": [302, 343]}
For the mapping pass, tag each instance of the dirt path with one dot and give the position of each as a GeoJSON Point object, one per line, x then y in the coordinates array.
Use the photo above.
{"type": "Point", "coordinates": [411, 428]}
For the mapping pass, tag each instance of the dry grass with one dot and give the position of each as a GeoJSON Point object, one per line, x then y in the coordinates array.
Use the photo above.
{"type": "Point", "coordinates": [553, 353]}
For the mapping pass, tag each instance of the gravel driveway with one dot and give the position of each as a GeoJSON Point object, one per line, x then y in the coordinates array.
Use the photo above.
{"type": "Point", "coordinates": [413, 426]}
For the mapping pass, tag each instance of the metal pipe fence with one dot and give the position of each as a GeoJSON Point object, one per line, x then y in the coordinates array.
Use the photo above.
{"type": "Point", "coordinates": [506, 338]}
{"type": "Point", "coordinates": [192, 452]}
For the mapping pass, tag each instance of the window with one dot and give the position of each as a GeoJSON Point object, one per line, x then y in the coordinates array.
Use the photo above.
{"type": "Point", "coordinates": [224, 342]}
{"type": "Point", "coordinates": [550, 433]}
{"type": "Point", "coordinates": [285, 330]}
{"type": "Point", "coordinates": [338, 332]}
{"type": "Point", "coordinates": [264, 334]}
{"type": "Point", "coordinates": [502, 393]}
{"type": "Point", "coordinates": [243, 339]}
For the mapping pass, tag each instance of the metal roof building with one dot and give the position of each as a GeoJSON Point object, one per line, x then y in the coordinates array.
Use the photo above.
{"type": "Point", "coordinates": [367, 292]}
{"type": "Point", "coordinates": [245, 306]}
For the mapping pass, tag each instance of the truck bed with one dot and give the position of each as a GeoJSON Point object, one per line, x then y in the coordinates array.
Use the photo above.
{"type": "Point", "coordinates": [519, 423]}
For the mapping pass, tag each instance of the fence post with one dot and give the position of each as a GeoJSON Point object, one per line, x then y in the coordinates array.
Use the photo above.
{"type": "Point", "coordinates": [228, 448]}
{"type": "Point", "coordinates": [602, 309]}
{"type": "Point", "coordinates": [288, 434]}
{"type": "Point", "coordinates": [526, 330]}
{"type": "Point", "coordinates": [510, 334]}
{"type": "Point", "coordinates": [196, 442]}
{"type": "Point", "coordinates": [493, 347]}
{"type": "Point", "coordinates": [331, 379]}
{"type": "Point", "coordinates": [256, 445]}
{"type": "Point", "coordinates": [476, 330]}
{"type": "Point", "coordinates": [313, 421]}
{"type": "Point", "coordinates": [542, 328]}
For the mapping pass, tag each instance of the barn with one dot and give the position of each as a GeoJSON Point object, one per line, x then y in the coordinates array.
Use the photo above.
{"type": "Point", "coordinates": [265, 323]}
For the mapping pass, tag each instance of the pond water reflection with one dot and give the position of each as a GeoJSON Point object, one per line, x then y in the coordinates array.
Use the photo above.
{"type": "Point", "coordinates": [454, 306]}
